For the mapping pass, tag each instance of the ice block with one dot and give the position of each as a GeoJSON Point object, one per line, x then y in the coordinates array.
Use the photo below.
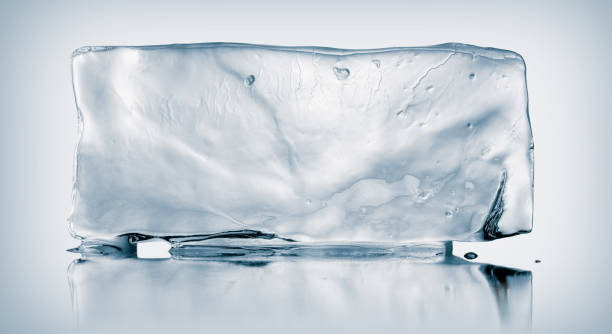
{"type": "Point", "coordinates": [308, 144]}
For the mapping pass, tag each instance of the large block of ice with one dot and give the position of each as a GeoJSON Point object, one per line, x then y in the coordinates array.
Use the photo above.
{"type": "Point", "coordinates": [307, 143]}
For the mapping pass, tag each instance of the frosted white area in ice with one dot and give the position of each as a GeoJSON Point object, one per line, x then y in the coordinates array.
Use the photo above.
{"type": "Point", "coordinates": [312, 144]}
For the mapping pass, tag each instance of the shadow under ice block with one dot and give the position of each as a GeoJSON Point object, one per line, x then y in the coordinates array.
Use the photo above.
{"type": "Point", "coordinates": [309, 144]}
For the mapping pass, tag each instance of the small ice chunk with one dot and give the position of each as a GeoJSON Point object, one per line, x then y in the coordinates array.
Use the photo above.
{"type": "Point", "coordinates": [308, 144]}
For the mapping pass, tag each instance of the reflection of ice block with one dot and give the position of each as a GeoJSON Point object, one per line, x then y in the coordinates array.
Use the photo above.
{"type": "Point", "coordinates": [303, 296]}
{"type": "Point", "coordinates": [311, 144]}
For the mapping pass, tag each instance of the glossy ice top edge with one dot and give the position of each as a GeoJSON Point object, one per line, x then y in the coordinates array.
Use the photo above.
{"type": "Point", "coordinates": [488, 52]}
{"type": "Point", "coordinates": [489, 231]}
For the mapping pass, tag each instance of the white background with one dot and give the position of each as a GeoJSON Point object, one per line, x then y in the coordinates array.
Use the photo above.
{"type": "Point", "coordinates": [566, 46]}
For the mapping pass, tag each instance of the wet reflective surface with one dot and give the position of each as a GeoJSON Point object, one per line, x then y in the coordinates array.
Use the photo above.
{"type": "Point", "coordinates": [310, 293]}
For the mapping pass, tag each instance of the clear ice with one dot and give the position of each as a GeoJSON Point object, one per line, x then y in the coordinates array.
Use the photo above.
{"type": "Point", "coordinates": [305, 144]}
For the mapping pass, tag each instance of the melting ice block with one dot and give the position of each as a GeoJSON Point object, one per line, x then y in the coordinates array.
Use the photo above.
{"type": "Point", "coordinates": [306, 143]}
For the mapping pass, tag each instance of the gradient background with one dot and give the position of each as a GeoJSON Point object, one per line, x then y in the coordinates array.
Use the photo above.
{"type": "Point", "coordinates": [566, 45]}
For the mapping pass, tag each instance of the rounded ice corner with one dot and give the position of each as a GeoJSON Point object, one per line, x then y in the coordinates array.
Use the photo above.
{"type": "Point", "coordinates": [518, 57]}
{"type": "Point", "coordinates": [88, 49]}
{"type": "Point", "coordinates": [80, 50]}
{"type": "Point", "coordinates": [518, 61]}
{"type": "Point", "coordinates": [70, 222]}
{"type": "Point", "coordinates": [502, 235]}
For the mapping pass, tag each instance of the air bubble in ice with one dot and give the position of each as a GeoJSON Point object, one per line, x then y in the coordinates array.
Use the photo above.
{"type": "Point", "coordinates": [341, 72]}
{"type": "Point", "coordinates": [470, 255]}
{"type": "Point", "coordinates": [249, 80]}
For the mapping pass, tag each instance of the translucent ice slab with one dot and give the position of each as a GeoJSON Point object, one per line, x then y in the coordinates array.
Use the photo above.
{"type": "Point", "coordinates": [307, 295]}
{"type": "Point", "coordinates": [304, 143]}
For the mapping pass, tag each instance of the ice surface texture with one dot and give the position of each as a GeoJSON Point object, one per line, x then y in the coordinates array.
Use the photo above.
{"type": "Point", "coordinates": [310, 144]}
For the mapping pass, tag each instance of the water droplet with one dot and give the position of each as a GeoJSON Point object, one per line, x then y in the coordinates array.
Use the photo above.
{"type": "Point", "coordinates": [538, 261]}
{"type": "Point", "coordinates": [308, 202]}
{"type": "Point", "coordinates": [249, 80]}
{"type": "Point", "coordinates": [376, 62]}
{"type": "Point", "coordinates": [485, 150]}
{"type": "Point", "coordinates": [469, 125]}
{"type": "Point", "coordinates": [363, 210]}
{"type": "Point", "coordinates": [448, 214]}
{"type": "Point", "coordinates": [429, 88]}
{"type": "Point", "coordinates": [469, 185]}
{"type": "Point", "coordinates": [341, 73]}
{"type": "Point", "coordinates": [472, 76]}
{"type": "Point", "coordinates": [470, 255]}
